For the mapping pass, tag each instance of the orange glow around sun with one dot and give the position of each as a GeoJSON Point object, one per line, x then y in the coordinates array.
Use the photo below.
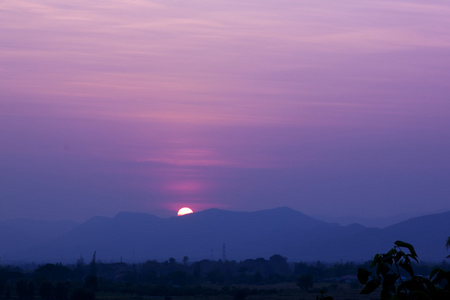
{"type": "Point", "coordinates": [184, 211]}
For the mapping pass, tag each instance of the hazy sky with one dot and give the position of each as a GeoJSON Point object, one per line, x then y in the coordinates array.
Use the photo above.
{"type": "Point", "coordinates": [329, 107]}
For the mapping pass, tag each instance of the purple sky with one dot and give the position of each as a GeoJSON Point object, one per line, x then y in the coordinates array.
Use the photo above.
{"type": "Point", "coordinates": [332, 108]}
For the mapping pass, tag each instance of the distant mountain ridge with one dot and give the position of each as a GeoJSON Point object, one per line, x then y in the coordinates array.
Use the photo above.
{"type": "Point", "coordinates": [215, 233]}
{"type": "Point", "coordinates": [25, 233]}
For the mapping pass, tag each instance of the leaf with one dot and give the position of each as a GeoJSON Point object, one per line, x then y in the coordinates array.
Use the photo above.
{"type": "Point", "coordinates": [404, 286]}
{"type": "Point", "coordinates": [370, 286]}
{"type": "Point", "coordinates": [407, 267]}
{"type": "Point", "coordinates": [399, 256]}
{"type": "Point", "coordinates": [383, 269]}
{"type": "Point", "coordinates": [385, 295]}
{"type": "Point", "coordinates": [406, 245]}
{"type": "Point", "coordinates": [363, 275]}
{"type": "Point", "coordinates": [389, 281]}
{"type": "Point", "coordinates": [414, 284]}
{"type": "Point", "coordinates": [434, 272]}
{"type": "Point", "coordinates": [407, 260]}
{"type": "Point", "coordinates": [389, 257]}
{"type": "Point", "coordinates": [419, 295]}
{"type": "Point", "coordinates": [391, 253]}
{"type": "Point", "coordinates": [437, 275]}
{"type": "Point", "coordinates": [413, 257]}
{"type": "Point", "coordinates": [375, 260]}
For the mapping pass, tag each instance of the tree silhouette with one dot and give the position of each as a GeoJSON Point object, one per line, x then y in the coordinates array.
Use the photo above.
{"type": "Point", "coordinates": [93, 264]}
{"type": "Point", "coordinates": [79, 272]}
{"type": "Point", "coordinates": [54, 271]}
{"type": "Point", "coordinates": [279, 265]}
{"type": "Point", "coordinates": [61, 291]}
{"type": "Point", "coordinates": [240, 294]}
{"type": "Point", "coordinates": [82, 294]}
{"type": "Point", "coordinates": [22, 289]}
{"type": "Point", "coordinates": [8, 292]}
{"type": "Point", "coordinates": [447, 245]}
{"type": "Point", "coordinates": [30, 290]}
{"type": "Point", "coordinates": [46, 290]}
{"type": "Point", "coordinates": [91, 283]}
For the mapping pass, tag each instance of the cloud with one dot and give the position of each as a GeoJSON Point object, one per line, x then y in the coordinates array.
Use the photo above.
{"type": "Point", "coordinates": [220, 98]}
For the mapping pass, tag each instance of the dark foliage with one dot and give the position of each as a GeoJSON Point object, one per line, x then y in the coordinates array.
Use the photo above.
{"type": "Point", "coordinates": [394, 274]}
{"type": "Point", "coordinates": [82, 294]}
{"type": "Point", "coordinates": [205, 278]}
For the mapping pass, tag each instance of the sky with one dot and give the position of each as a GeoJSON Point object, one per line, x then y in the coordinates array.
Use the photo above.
{"type": "Point", "coordinates": [332, 108]}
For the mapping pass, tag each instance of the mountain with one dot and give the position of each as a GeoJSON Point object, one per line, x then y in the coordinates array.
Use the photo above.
{"type": "Point", "coordinates": [214, 233]}
{"type": "Point", "coordinates": [427, 233]}
{"type": "Point", "coordinates": [26, 233]}
{"type": "Point", "coordinates": [380, 222]}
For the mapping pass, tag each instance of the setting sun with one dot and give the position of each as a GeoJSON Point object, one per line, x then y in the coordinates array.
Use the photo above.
{"type": "Point", "coordinates": [184, 211]}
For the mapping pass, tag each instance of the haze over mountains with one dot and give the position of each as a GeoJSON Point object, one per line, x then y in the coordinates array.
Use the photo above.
{"type": "Point", "coordinates": [203, 235]}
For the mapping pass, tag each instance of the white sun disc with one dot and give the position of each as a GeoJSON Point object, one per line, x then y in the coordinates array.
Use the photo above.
{"type": "Point", "coordinates": [184, 211]}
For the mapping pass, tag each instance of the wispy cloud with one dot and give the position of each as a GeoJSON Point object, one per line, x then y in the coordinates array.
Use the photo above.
{"type": "Point", "coordinates": [210, 97]}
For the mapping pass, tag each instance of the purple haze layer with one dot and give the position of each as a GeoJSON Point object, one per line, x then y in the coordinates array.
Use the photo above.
{"type": "Point", "coordinates": [332, 108]}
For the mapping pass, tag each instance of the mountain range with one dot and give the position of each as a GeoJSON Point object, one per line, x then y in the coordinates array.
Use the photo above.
{"type": "Point", "coordinates": [216, 234]}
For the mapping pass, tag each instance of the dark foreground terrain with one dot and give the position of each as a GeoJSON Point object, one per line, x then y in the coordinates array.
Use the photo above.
{"type": "Point", "coordinates": [273, 278]}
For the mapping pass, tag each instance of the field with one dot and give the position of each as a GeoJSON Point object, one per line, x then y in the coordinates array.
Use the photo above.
{"type": "Point", "coordinates": [284, 291]}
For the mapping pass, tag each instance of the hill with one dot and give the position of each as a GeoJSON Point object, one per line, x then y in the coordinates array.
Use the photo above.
{"type": "Point", "coordinates": [203, 235]}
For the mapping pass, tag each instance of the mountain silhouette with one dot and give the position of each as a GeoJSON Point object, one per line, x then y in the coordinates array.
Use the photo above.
{"type": "Point", "coordinates": [25, 233]}
{"type": "Point", "coordinates": [203, 235]}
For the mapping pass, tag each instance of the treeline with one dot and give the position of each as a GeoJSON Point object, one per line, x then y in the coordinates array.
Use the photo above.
{"type": "Point", "coordinates": [171, 277]}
